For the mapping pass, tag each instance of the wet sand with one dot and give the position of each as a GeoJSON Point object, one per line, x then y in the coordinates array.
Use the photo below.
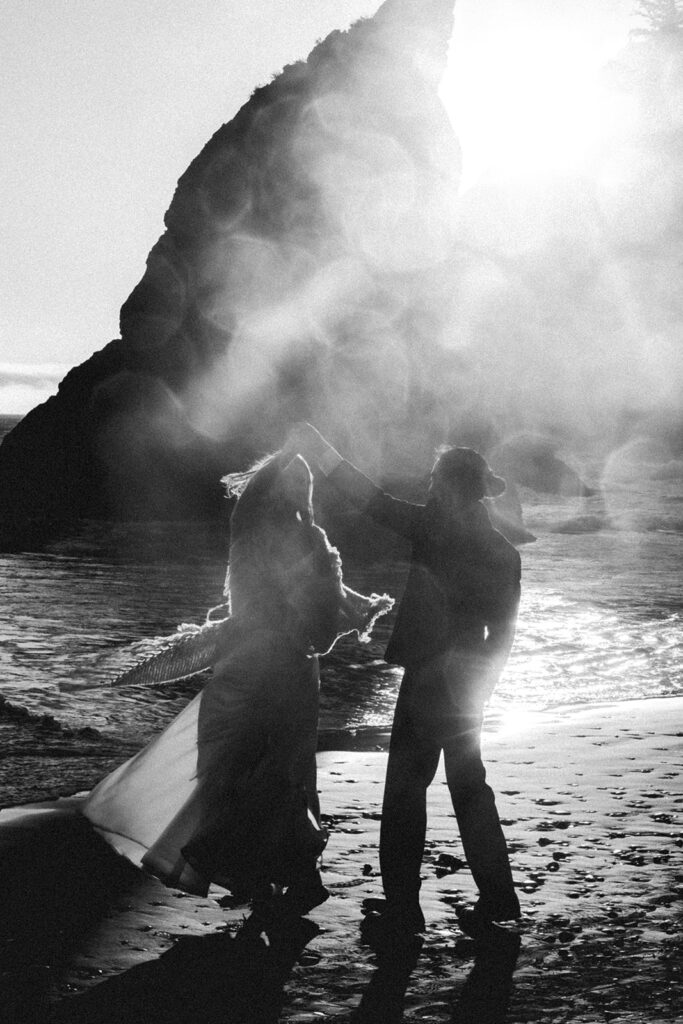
{"type": "Point", "coordinates": [591, 805]}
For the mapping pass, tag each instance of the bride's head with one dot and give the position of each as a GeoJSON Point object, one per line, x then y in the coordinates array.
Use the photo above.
{"type": "Point", "coordinates": [283, 574]}
{"type": "Point", "coordinates": [276, 488]}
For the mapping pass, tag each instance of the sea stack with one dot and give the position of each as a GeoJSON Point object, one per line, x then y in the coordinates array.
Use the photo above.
{"type": "Point", "coordinates": [302, 272]}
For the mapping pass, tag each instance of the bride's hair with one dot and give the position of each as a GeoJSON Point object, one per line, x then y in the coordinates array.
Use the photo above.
{"type": "Point", "coordinates": [274, 488]}
{"type": "Point", "coordinates": [282, 570]}
{"type": "Point", "coordinates": [236, 483]}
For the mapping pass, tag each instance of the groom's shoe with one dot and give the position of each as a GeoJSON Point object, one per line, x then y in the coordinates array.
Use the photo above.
{"type": "Point", "coordinates": [478, 925]}
{"type": "Point", "coordinates": [397, 928]}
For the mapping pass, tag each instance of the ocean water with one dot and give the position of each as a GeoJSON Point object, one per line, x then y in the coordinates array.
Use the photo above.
{"type": "Point", "coordinates": [600, 621]}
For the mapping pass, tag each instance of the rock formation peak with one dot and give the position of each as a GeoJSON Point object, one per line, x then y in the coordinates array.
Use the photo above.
{"type": "Point", "coordinates": [300, 274]}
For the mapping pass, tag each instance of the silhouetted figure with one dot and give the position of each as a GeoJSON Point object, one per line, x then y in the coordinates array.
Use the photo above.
{"type": "Point", "coordinates": [227, 793]}
{"type": "Point", "coordinates": [453, 634]}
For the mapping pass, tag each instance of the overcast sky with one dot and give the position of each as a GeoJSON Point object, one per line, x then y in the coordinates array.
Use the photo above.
{"type": "Point", "coordinates": [106, 102]}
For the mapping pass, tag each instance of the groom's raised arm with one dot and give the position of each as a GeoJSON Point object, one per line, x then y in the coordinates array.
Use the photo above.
{"type": "Point", "coordinates": [393, 513]}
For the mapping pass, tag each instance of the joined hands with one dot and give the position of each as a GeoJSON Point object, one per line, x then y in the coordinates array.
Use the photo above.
{"type": "Point", "coordinates": [304, 439]}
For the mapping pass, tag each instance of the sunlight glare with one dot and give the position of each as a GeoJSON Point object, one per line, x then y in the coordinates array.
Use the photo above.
{"type": "Point", "coordinates": [508, 719]}
{"type": "Point", "coordinates": [530, 104]}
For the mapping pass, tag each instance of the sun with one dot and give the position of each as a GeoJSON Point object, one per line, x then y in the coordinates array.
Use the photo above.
{"type": "Point", "coordinates": [527, 102]}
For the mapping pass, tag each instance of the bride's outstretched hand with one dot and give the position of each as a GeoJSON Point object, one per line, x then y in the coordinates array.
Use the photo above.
{"type": "Point", "coordinates": [304, 439]}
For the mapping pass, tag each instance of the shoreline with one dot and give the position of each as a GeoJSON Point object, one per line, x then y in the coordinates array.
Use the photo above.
{"type": "Point", "coordinates": [590, 799]}
{"type": "Point", "coordinates": [77, 769]}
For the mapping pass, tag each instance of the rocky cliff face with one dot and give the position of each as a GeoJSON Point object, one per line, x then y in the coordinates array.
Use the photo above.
{"type": "Point", "coordinates": [302, 272]}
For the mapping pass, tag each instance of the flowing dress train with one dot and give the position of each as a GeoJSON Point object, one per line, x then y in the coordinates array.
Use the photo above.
{"type": "Point", "coordinates": [226, 793]}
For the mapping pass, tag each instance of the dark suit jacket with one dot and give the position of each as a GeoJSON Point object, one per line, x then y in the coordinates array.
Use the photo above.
{"type": "Point", "coordinates": [463, 588]}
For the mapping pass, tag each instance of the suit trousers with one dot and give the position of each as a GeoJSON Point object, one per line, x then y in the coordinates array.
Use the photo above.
{"type": "Point", "coordinates": [440, 708]}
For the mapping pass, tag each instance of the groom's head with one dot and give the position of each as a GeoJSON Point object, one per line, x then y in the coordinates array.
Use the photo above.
{"type": "Point", "coordinates": [461, 476]}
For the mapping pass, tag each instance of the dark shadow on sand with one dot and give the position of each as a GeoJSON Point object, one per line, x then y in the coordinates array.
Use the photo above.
{"type": "Point", "coordinates": [59, 881]}
{"type": "Point", "coordinates": [484, 998]}
{"type": "Point", "coordinates": [384, 998]}
{"type": "Point", "coordinates": [214, 979]}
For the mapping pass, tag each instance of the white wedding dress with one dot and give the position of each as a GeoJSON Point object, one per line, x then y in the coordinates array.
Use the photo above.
{"type": "Point", "coordinates": [234, 771]}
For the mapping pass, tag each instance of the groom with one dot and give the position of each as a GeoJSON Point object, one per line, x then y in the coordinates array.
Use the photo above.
{"type": "Point", "coordinates": [453, 634]}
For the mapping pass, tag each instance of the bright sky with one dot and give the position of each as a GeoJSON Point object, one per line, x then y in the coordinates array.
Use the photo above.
{"type": "Point", "coordinates": [106, 102]}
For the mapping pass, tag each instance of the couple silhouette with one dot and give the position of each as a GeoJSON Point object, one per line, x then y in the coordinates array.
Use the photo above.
{"type": "Point", "coordinates": [227, 793]}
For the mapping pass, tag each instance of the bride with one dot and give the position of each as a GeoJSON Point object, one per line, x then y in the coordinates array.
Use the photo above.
{"type": "Point", "coordinates": [227, 792]}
